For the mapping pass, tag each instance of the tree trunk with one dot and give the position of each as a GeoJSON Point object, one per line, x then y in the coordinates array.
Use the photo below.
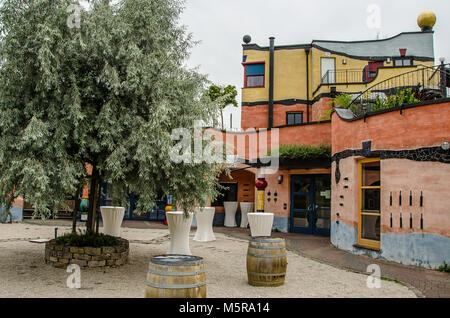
{"type": "Point", "coordinates": [98, 204]}
{"type": "Point", "coordinates": [221, 117]}
{"type": "Point", "coordinates": [93, 197]}
{"type": "Point", "coordinates": [75, 212]}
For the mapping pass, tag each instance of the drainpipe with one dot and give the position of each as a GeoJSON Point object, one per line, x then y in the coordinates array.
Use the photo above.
{"type": "Point", "coordinates": [271, 78]}
{"type": "Point", "coordinates": [307, 50]}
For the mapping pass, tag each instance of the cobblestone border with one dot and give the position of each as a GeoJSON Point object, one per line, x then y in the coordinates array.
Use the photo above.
{"type": "Point", "coordinates": [60, 256]}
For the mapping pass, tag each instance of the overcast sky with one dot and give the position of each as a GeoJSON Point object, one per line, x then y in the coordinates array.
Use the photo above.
{"type": "Point", "coordinates": [221, 24]}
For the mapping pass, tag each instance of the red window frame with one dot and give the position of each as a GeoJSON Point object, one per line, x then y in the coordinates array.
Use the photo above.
{"type": "Point", "coordinates": [245, 74]}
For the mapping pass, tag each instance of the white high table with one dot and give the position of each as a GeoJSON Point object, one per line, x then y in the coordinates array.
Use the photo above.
{"type": "Point", "coordinates": [205, 218]}
{"type": "Point", "coordinates": [260, 224]}
{"type": "Point", "coordinates": [112, 217]}
{"type": "Point", "coordinates": [179, 228]}
{"type": "Point", "coordinates": [246, 207]}
{"type": "Point", "coordinates": [230, 213]}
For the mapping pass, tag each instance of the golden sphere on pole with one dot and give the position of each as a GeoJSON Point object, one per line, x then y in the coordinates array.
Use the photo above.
{"type": "Point", "coordinates": [426, 20]}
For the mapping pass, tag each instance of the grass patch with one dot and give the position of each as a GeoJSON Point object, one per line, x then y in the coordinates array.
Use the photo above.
{"type": "Point", "coordinates": [87, 240]}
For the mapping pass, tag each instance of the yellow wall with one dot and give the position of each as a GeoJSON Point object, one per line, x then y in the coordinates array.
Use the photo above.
{"type": "Point", "coordinates": [289, 77]}
{"type": "Point", "coordinates": [290, 74]}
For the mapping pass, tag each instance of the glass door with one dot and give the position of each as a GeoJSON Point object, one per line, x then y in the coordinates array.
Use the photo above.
{"type": "Point", "coordinates": [310, 204]}
{"type": "Point", "coordinates": [301, 208]}
{"type": "Point", "coordinates": [322, 205]}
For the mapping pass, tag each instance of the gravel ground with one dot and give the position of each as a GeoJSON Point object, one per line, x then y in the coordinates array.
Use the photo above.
{"type": "Point", "coordinates": [23, 272]}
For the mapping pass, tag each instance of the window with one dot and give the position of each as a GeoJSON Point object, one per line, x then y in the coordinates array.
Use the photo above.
{"type": "Point", "coordinates": [229, 194]}
{"type": "Point", "coordinates": [294, 118]}
{"type": "Point", "coordinates": [369, 203]}
{"type": "Point", "coordinates": [403, 62]}
{"type": "Point", "coordinates": [254, 74]}
{"type": "Point", "coordinates": [371, 70]}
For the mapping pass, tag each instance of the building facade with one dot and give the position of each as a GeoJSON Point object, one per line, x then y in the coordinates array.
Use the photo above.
{"type": "Point", "coordinates": [384, 191]}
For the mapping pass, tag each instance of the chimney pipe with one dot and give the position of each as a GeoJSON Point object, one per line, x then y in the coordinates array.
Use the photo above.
{"type": "Point", "coordinates": [271, 78]}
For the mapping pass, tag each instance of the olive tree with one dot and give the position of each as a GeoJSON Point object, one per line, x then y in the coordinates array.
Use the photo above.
{"type": "Point", "coordinates": [104, 87]}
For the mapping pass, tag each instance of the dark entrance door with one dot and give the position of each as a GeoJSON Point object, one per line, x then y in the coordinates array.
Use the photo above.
{"type": "Point", "coordinates": [311, 204]}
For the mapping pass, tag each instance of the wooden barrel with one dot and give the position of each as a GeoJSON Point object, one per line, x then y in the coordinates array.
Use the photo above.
{"type": "Point", "coordinates": [266, 261]}
{"type": "Point", "coordinates": [176, 276]}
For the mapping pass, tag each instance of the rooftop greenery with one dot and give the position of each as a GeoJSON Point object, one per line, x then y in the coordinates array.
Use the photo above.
{"type": "Point", "coordinates": [303, 151]}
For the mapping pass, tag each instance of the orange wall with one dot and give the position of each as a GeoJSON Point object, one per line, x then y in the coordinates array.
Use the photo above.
{"type": "Point", "coordinates": [432, 178]}
{"type": "Point", "coordinates": [257, 116]}
{"type": "Point", "coordinates": [246, 186]}
{"type": "Point", "coordinates": [254, 117]}
{"type": "Point", "coordinates": [422, 126]}
{"type": "Point", "coordinates": [284, 190]}
{"type": "Point", "coordinates": [313, 134]}
{"type": "Point", "coordinates": [319, 108]}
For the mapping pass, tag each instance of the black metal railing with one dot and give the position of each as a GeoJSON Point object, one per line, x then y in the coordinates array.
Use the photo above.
{"type": "Point", "coordinates": [426, 83]}
{"type": "Point", "coordinates": [343, 77]}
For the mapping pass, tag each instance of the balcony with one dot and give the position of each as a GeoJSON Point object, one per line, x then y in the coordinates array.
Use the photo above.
{"type": "Point", "coordinates": [350, 76]}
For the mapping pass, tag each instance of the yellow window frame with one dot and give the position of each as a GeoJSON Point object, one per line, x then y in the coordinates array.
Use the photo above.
{"type": "Point", "coordinates": [363, 241]}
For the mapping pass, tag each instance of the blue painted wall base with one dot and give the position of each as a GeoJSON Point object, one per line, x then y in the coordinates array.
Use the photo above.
{"type": "Point", "coordinates": [417, 249]}
{"type": "Point", "coordinates": [16, 212]}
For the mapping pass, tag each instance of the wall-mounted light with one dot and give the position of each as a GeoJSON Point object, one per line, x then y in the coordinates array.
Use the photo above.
{"type": "Point", "coordinates": [344, 61]}
{"type": "Point", "coordinates": [445, 145]}
{"type": "Point", "coordinates": [280, 179]}
{"type": "Point", "coordinates": [388, 60]}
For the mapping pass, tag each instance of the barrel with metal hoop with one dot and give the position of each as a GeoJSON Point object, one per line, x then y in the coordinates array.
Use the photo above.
{"type": "Point", "coordinates": [176, 276]}
{"type": "Point", "coordinates": [266, 261]}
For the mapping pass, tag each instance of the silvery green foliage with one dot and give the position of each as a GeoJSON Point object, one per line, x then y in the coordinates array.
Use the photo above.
{"type": "Point", "coordinates": [108, 93]}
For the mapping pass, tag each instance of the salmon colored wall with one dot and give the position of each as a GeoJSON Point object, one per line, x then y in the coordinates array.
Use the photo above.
{"type": "Point", "coordinates": [432, 178]}
{"type": "Point", "coordinates": [279, 113]}
{"type": "Point", "coordinates": [257, 116]}
{"type": "Point", "coordinates": [348, 212]}
{"type": "Point", "coordinates": [254, 117]}
{"type": "Point", "coordinates": [284, 190]}
{"type": "Point", "coordinates": [319, 108]}
{"type": "Point", "coordinates": [422, 126]}
{"type": "Point", "coordinates": [313, 134]}
{"type": "Point", "coordinates": [18, 202]}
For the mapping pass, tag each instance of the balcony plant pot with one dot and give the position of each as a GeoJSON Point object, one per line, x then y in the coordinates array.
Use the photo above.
{"type": "Point", "coordinates": [112, 217]}
{"type": "Point", "coordinates": [246, 207]}
{"type": "Point", "coordinates": [204, 217]}
{"type": "Point", "coordinates": [260, 224]}
{"type": "Point", "coordinates": [179, 228]}
{"type": "Point", "coordinates": [230, 213]}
